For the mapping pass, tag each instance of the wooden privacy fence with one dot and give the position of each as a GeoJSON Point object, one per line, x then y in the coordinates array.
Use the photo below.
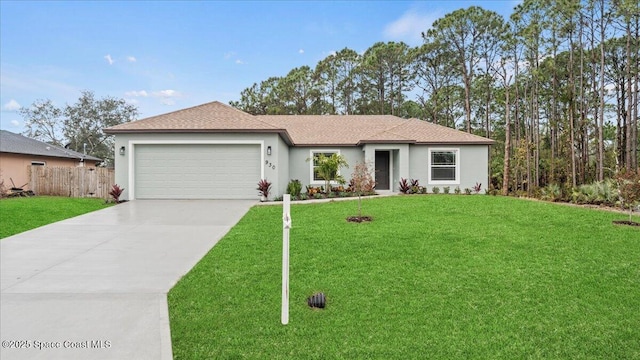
{"type": "Point", "coordinates": [72, 182]}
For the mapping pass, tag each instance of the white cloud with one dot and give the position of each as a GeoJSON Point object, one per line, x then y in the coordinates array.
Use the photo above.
{"type": "Point", "coordinates": [166, 93]}
{"type": "Point", "coordinates": [134, 93]}
{"type": "Point", "coordinates": [229, 55]}
{"type": "Point", "coordinates": [131, 59]}
{"type": "Point", "coordinates": [301, 51]}
{"type": "Point", "coordinates": [109, 59]}
{"type": "Point", "coordinates": [240, 62]}
{"type": "Point", "coordinates": [410, 25]}
{"type": "Point", "coordinates": [12, 105]}
{"type": "Point", "coordinates": [166, 97]}
{"type": "Point", "coordinates": [15, 123]}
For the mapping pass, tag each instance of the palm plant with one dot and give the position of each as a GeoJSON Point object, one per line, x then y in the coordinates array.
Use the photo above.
{"type": "Point", "coordinates": [328, 168]}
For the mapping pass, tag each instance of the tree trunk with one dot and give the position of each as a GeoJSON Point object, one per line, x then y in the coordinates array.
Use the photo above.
{"type": "Point", "coordinates": [601, 96]}
{"type": "Point", "coordinates": [507, 143]}
{"type": "Point", "coordinates": [628, 147]}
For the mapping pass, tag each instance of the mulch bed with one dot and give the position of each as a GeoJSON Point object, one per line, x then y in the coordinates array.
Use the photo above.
{"type": "Point", "coordinates": [359, 219]}
{"type": "Point", "coordinates": [626, 222]}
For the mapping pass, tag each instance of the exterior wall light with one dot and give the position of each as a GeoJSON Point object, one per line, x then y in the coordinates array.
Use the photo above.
{"type": "Point", "coordinates": [122, 150]}
{"type": "Point", "coordinates": [269, 150]}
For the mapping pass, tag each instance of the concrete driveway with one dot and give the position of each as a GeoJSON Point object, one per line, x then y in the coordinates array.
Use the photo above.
{"type": "Point", "coordinates": [95, 286]}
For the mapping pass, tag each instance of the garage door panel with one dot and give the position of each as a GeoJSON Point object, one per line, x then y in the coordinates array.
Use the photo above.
{"type": "Point", "coordinates": [185, 171]}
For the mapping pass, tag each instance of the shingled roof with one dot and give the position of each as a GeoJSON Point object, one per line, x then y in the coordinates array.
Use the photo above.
{"type": "Point", "coordinates": [302, 130]}
{"type": "Point", "coordinates": [19, 144]}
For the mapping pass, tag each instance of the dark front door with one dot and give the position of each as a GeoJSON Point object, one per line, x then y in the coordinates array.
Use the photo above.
{"type": "Point", "coordinates": [382, 170]}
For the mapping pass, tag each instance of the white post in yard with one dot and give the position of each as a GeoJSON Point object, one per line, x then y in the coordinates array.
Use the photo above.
{"type": "Point", "coordinates": [286, 225]}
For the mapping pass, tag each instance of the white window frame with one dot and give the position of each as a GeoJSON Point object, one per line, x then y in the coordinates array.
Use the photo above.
{"type": "Point", "coordinates": [312, 153]}
{"type": "Point", "coordinates": [456, 152]}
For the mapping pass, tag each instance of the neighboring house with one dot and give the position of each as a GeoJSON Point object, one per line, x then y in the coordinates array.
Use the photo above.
{"type": "Point", "coordinates": [214, 151]}
{"type": "Point", "coordinates": [18, 153]}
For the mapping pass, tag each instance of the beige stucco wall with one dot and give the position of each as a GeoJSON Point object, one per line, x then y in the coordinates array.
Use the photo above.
{"type": "Point", "coordinates": [16, 167]}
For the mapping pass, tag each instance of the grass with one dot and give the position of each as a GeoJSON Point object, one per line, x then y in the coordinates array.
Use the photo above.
{"type": "Point", "coordinates": [25, 213]}
{"type": "Point", "coordinates": [438, 277]}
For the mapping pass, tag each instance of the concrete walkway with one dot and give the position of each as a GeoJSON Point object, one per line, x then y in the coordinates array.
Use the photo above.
{"type": "Point", "coordinates": [95, 286]}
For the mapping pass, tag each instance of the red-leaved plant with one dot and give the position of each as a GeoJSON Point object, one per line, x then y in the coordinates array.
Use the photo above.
{"type": "Point", "coordinates": [264, 188]}
{"type": "Point", "coordinates": [115, 193]}
{"type": "Point", "coordinates": [404, 186]}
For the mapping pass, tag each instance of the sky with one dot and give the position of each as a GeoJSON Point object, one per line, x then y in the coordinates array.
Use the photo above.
{"type": "Point", "coordinates": [169, 55]}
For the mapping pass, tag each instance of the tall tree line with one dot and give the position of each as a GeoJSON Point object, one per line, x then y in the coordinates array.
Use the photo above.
{"type": "Point", "coordinates": [555, 84]}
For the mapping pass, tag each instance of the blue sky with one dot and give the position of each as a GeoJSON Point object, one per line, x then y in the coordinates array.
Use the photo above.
{"type": "Point", "coordinates": [164, 56]}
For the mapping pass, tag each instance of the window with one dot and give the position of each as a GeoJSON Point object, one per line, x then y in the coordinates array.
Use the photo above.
{"type": "Point", "coordinates": [444, 166]}
{"type": "Point", "coordinates": [38, 163]}
{"type": "Point", "coordinates": [315, 178]}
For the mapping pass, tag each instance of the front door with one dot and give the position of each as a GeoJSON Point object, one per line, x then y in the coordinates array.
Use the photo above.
{"type": "Point", "coordinates": [382, 170]}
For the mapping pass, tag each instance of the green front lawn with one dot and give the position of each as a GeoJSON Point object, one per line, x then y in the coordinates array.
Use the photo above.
{"type": "Point", "coordinates": [26, 213]}
{"type": "Point", "coordinates": [445, 276]}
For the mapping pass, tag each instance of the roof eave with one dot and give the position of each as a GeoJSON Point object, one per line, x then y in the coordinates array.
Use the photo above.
{"type": "Point", "coordinates": [282, 132]}
{"type": "Point", "coordinates": [480, 142]}
{"type": "Point", "coordinates": [325, 145]}
{"type": "Point", "coordinates": [86, 158]}
{"type": "Point", "coordinates": [362, 142]}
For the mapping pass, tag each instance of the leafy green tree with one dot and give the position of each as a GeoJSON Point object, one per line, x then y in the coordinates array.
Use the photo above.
{"type": "Point", "coordinates": [79, 126]}
{"type": "Point", "coordinates": [385, 77]}
{"type": "Point", "coordinates": [468, 34]}
{"type": "Point", "coordinates": [85, 120]}
{"type": "Point", "coordinates": [347, 64]}
{"type": "Point", "coordinates": [44, 122]}
{"type": "Point", "coordinates": [252, 100]}
{"type": "Point", "coordinates": [300, 92]}
{"type": "Point", "coordinates": [434, 79]}
{"type": "Point", "coordinates": [326, 76]}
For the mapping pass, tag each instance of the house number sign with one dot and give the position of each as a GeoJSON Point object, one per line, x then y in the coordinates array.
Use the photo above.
{"type": "Point", "coordinates": [269, 164]}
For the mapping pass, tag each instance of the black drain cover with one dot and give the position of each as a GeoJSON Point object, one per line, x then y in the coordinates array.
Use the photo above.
{"type": "Point", "coordinates": [317, 300]}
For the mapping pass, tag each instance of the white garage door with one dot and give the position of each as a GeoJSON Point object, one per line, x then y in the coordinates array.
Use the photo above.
{"type": "Point", "coordinates": [190, 171]}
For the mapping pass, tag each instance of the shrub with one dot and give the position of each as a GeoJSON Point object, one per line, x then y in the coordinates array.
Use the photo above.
{"type": "Point", "coordinates": [477, 187]}
{"type": "Point", "coordinates": [435, 190]}
{"type": "Point", "coordinates": [467, 191]}
{"type": "Point", "coordinates": [551, 192]}
{"type": "Point", "coordinates": [598, 193]}
{"type": "Point", "coordinates": [264, 188]}
{"type": "Point", "coordinates": [312, 191]}
{"type": "Point", "coordinates": [629, 189]}
{"type": "Point", "coordinates": [294, 188]}
{"type": "Point", "coordinates": [115, 192]}
{"type": "Point", "coordinates": [404, 186]}
{"type": "Point", "coordinates": [415, 187]}
{"type": "Point", "coordinates": [338, 188]}
{"type": "Point", "coordinates": [457, 190]}
{"type": "Point", "coordinates": [446, 189]}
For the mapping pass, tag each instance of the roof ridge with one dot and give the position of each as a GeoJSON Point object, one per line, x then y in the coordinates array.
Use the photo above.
{"type": "Point", "coordinates": [390, 129]}
{"type": "Point", "coordinates": [57, 150]}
